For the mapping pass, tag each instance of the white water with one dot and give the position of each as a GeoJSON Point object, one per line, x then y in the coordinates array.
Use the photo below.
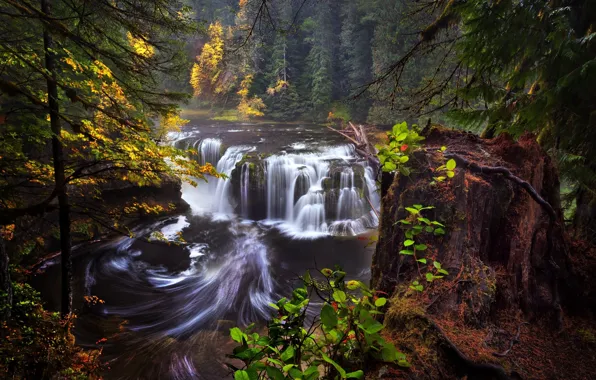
{"type": "Point", "coordinates": [214, 197]}
{"type": "Point", "coordinates": [294, 190]}
{"type": "Point", "coordinates": [244, 177]}
{"type": "Point", "coordinates": [210, 151]}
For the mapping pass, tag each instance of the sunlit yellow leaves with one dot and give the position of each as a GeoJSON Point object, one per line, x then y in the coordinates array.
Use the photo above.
{"type": "Point", "coordinates": [7, 232]}
{"type": "Point", "coordinates": [101, 70]}
{"type": "Point", "coordinates": [141, 45]}
{"type": "Point", "coordinates": [279, 86]}
{"type": "Point", "coordinates": [249, 107]}
{"type": "Point", "coordinates": [206, 70]}
{"type": "Point", "coordinates": [72, 62]}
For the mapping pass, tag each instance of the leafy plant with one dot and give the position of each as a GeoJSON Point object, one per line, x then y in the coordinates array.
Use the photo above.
{"type": "Point", "coordinates": [336, 344]}
{"type": "Point", "coordinates": [416, 225]}
{"type": "Point", "coordinates": [37, 344]}
{"type": "Point", "coordinates": [402, 142]}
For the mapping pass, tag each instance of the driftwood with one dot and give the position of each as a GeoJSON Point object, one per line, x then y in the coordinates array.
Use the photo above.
{"type": "Point", "coordinates": [357, 136]}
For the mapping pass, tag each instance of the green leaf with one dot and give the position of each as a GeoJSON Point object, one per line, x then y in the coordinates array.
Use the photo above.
{"type": "Point", "coordinates": [290, 308]}
{"type": "Point", "coordinates": [420, 247]}
{"type": "Point", "coordinates": [443, 271]}
{"type": "Point", "coordinates": [412, 210]}
{"type": "Point", "coordinates": [339, 296]}
{"type": "Point", "coordinates": [311, 371]}
{"type": "Point", "coordinates": [437, 264]}
{"type": "Point", "coordinates": [403, 170]}
{"type": "Point", "coordinates": [389, 166]}
{"type": "Point", "coordinates": [274, 373]}
{"type": "Point", "coordinates": [450, 173]}
{"type": "Point", "coordinates": [287, 367]}
{"type": "Point", "coordinates": [423, 261]}
{"type": "Point", "coordinates": [295, 373]}
{"type": "Point", "coordinates": [288, 354]}
{"type": "Point", "coordinates": [439, 231]}
{"type": "Point", "coordinates": [341, 371]}
{"type": "Point", "coordinates": [443, 148]}
{"type": "Point", "coordinates": [430, 277]}
{"type": "Point", "coordinates": [402, 136]}
{"type": "Point", "coordinates": [374, 327]}
{"type": "Point", "coordinates": [355, 375]}
{"type": "Point", "coordinates": [241, 375]}
{"type": "Point", "coordinates": [273, 305]}
{"type": "Point", "coordinates": [328, 316]}
{"type": "Point", "coordinates": [409, 242]}
{"type": "Point", "coordinates": [236, 334]}
{"type": "Point", "coordinates": [451, 164]}
{"type": "Point", "coordinates": [275, 361]}
{"type": "Point", "coordinates": [380, 302]}
{"type": "Point", "coordinates": [404, 159]}
{"type": "Point", "coordinates": [406, 252]}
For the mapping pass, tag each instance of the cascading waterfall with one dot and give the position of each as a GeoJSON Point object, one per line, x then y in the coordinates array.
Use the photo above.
{"type": "Point", "coordinates": [244, 178]}
{"type": "Point", "coordinates": [297, 187]}
{"type": "Point", "coordinates": [209, 151]}
{"type": "Point", "coordinates": [225, 166]}
{"type": "Point", "coordinates": [296, 195]}
{"type": "Point", "coordinates": [215, 195]}
{"type": "Point", "coordinates": [349, 204]}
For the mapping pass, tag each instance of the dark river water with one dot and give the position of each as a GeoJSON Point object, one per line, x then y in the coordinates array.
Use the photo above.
{"type": "Point", "coordinates": [297, 197]}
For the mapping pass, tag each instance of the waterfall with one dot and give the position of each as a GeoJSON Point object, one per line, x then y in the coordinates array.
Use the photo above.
{"type": "Point", "coordinates": [215, 195]}
{"type": "Point", "coordinates": [305, 193]}
{"type": "Point", "coordinates": [296, 195]}
{"type": "Point", "coordinates": [373, 193]}
{"type": "Point", "coordinates": [283, 174]}
{"type": "Point", "coordinates": [209, 151]}
{"type": "Point", "coordinates": [349, 204]}
{"type": "Point", "coordinates": [244, 177]}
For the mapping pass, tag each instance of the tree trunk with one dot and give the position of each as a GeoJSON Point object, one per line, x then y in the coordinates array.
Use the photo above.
{"type": "Point", "coordinates": [5, 285]}
{"type": "Point", "coordinates": [503, 247]}
{"type": "Point", "coordinates": [58, 158]}
{"type": "Point", "coordinates": [584, 221]}
{"type": "Point", "coordinates": [492, 224]}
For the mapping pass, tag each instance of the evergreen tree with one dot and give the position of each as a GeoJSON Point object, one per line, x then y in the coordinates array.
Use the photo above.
{"type": "Point", "coordinates": [95, 68]}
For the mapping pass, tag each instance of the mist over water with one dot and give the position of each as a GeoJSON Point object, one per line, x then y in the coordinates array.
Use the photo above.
{"type": "Point", "coordinates": [288, 204]}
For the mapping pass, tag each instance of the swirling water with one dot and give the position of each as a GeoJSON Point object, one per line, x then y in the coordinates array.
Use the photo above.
{"type": "Point", "coordinates": [168, 307]}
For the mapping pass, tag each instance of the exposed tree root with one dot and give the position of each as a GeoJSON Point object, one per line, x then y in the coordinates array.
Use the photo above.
{"type": "Point", "coordinates": [464, 365]}
{"type": "Point", "coordinates": [513, 342]}
{"type": "Point", "coordinates": [475, 168]}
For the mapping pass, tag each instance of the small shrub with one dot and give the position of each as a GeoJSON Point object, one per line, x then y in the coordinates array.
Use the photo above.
{"type": "Point", "coordinates": [37, 344]}
{"type": "Point", "coordinates": [336, 344]}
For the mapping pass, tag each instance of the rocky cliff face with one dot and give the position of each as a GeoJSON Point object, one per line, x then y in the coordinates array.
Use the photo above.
{"type": "Point", "coordinates": [505, 253]}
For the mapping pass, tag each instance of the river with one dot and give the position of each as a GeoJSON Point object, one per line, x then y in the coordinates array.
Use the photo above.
{"type": "Point", "coordinates": [295, 199]}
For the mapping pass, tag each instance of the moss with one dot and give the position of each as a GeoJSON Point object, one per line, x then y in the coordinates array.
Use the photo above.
{"type": "Point", "coordinates": [587, 335]}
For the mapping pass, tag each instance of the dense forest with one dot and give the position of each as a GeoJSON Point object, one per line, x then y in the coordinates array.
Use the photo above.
{"type": "Point", "coordinates": [186, 187]}
{"type": "Point", "coordinates": [307, 59]}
